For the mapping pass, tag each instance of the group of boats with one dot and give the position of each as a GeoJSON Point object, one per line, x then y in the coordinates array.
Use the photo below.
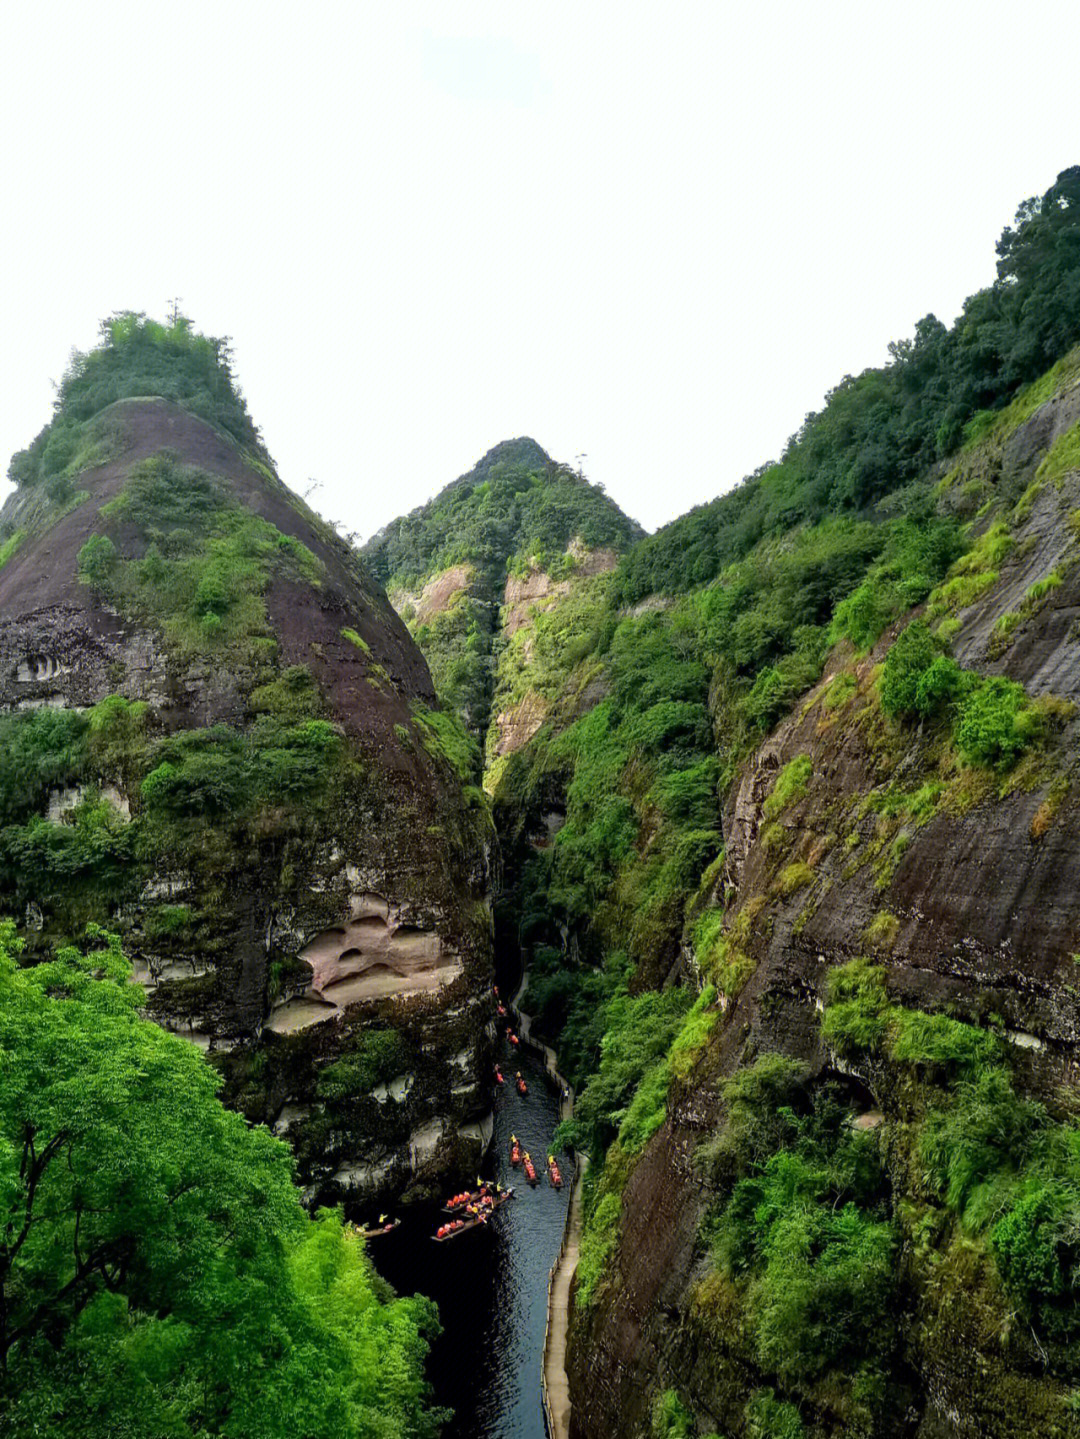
{"type": "Point", "coordinates": [519, 1081]}
{"type": "Point", "coordinates": [384, 1226]}
{"type": "Point", "coordinates": [522, 1159]}
{"type": "Point", "coordinates": [472, 1208]}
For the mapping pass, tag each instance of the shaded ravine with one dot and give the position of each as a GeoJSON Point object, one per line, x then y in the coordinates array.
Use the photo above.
{"type": "Point", "coordinates": [491, 1285]}
{"type": "Point", "coordinates": [555, 1383]}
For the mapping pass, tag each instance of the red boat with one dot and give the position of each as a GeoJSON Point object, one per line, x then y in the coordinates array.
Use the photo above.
{"type": "Point", "coordinates": [530, 1169]}
{"type": "Point", "coordinates": [498, 1075]}
{"type": "Point", "coordinates": [502, 1011]}
{"type": "Point", "coordinates": [522, 1087]}
{"type": "Point", "coordinates": [553, 1173]}
{"type": "Point", "coordinates": [462, 1201]}
{"type": "Point", "coordinates": [454, 1227]}
{"type": "Point", "coordinates": [512, 1037]}
{"type": "Point", "coordinates": [515, 1151]}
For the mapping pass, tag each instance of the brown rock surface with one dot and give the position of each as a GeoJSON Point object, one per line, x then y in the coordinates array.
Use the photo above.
{"type": "Point", "coordinates": [241, 980]}
{"type": "Point", "coordinates": [984, 907]}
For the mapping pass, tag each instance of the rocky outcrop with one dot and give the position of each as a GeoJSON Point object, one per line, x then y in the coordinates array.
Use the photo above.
{"type": "Point", "coordinates": [516, 726]}
{"type": "Point", "coordinates": [437, 595]}
{"type": "Point", "coordinates": [970, 901]}
{"type": "Point", "coordinates": [282, 935]}
{"type": "Point", "coordinates": [535, 589]}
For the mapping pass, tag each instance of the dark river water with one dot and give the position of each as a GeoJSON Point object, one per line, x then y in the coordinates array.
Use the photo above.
{"type": "Point", "coordinates": [491, 1283]}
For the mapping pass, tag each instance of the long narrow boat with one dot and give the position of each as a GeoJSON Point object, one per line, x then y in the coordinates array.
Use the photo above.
{"type": "Point", "coordinates": [553, 1173]}
{"type": "Point", "coordinates": [379, 1229]}
{"type": "Point", "coordinates": [462, 1201]}
{"type": "Point", "coordinates": [530, 1169]}
{"type": "Point", "coordinates": [461, 1226]}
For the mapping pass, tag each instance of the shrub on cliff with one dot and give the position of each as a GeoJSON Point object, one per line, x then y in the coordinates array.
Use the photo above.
{"type": "Point", "coordinates": [598, 1240]}
{"type": "Point", "coordinates": [805, 1229]}
{"type": "Point", "coordinates": [909, 657]}
{"type": "Point", "coordinates": [1012, 1175]}
{"type": "Point", "coordinates": [995, 726]}
{"type": "Point", "coordinates": [40, 750]}
{"type": "Point", "coordinates": [158, 1274]}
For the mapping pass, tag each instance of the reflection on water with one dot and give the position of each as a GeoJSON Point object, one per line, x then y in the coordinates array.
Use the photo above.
{"type": "Point", "coordinates": [491, 1284]}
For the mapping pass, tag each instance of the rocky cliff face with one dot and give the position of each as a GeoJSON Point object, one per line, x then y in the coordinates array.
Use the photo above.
{"type": "Point", "coordinates": [256, 788]}
{"type": "Point", "coordinates": [505, 543]}
{"type": "Point", "coordinates": [961, 887]}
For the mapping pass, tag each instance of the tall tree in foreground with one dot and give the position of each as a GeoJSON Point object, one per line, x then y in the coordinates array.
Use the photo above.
{"type": "Point", "coordinates": [158, 1275]}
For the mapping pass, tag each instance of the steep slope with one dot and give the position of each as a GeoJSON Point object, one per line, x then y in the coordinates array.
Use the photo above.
{"type": "Point", "coordinates": [851, 835]}
{"type": "Point", "coordinates": [219, 739]}
{"type": "Point", "coordinates": [471, 570]}
{"type": "Point", "coordinates": [805, 943]}
{"type": "Point", "coordinates": [887, 1030]}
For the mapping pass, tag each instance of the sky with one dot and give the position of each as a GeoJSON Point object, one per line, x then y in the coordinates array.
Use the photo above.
{"type": "Point", "coordinates": [651, 237]}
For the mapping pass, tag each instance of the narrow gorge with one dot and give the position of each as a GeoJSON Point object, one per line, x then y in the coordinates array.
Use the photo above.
{"type": "Point", "coordinates": [773, 812]}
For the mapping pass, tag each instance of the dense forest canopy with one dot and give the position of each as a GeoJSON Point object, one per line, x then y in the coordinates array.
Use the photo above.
{"type": "Point", "coordinates": [884, 428]}
{"type": "Point", "coordinates": [158, 1275]}
{"type": "Point", "coordinates": [516, 504]}
{"type": "Point", "coordinates": [136, 357]}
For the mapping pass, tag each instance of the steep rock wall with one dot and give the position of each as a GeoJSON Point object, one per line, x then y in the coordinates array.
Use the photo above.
{"type": "Point", "coordinates": [232, 916]}
{"type": "Point", "coordinates": [970, 901]}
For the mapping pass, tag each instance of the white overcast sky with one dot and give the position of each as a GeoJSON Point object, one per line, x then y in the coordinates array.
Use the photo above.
{"type": "Point", "coordinates": [655, 236]}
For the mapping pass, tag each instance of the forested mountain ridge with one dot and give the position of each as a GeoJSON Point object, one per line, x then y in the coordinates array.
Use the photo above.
{"type": "Point", "coordinates": [512, 536]}
{"type": "Point", "coordinates": [789, 853]}
{"type": "Point", "coordinates": [219, 737]}
{"type": "Point", "coordinates": [217, 747]}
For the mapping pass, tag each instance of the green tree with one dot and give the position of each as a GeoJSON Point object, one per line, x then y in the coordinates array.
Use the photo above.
{"type": "Point", "coordinates": [907, 661]}
{"type": "Point", "coordinates": [158, 1275]}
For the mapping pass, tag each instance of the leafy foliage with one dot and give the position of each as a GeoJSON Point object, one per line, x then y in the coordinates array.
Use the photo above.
{"type": "Point", "coordinates": [637, 1035]}
{"type": "Point", "coordinates": [443, 735]}
{"type": "Point", "coordinates": [883, 429]}
{"type": "Point", "coordinates": [40, 750]}
{"type": "Point", "coordinates": [203, 561]}
{"type": "Point", "coordinates": [598, 1240]}
{"type": "Point", "coordinates": [803, 1226]}
{"type": "Point", "coordinates": [154, 1243]}
{"type": "Point", "coordinates": [998, 1162]}
{"type": "Point", "coordinates": [790, 785]}
{"type": "Point", "coordinates": [217, 771]}
{"type": "Point", "coordinates": [993, 719]}
{"type": "Point", "coordinates": [515, 505]}
{"type": "Point", "coordinates": [136, 357]}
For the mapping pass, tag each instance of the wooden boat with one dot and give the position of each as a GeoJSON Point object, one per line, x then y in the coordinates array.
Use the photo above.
{"type": "Point", "coordinates": [553, 1173]}
{"type": "Point", "coordinates": [515, 1152]}
{"type": "Point", "coordinates": [512, 1037]}
{"type": "Point", "coordinates": [461, 1226]}
{"type": "Point", "coordinates": [530, 1170]}
{"type": "Point", "coordinates": [522, 1087]}
{"type": "Point", "coordinates": [380, 1229]}
{"type": "Point", "coordinates": [463, 1200]}
{"type": "Point", "coordinates": [498, 1075]}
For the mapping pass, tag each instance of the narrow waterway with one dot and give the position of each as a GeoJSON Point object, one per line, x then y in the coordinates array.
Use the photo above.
{"type": "Point", "coordinates": [491, 1283]}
